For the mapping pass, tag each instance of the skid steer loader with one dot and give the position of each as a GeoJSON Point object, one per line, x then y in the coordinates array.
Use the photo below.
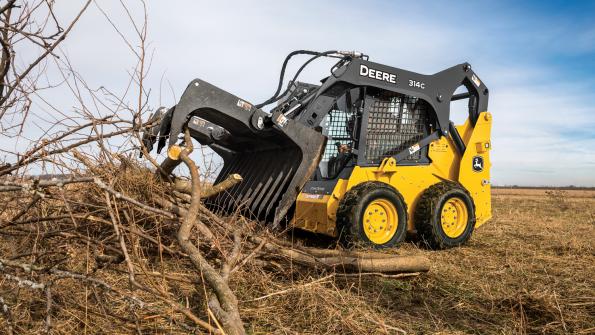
{"type": "Point", "coordinates": [366, 156]}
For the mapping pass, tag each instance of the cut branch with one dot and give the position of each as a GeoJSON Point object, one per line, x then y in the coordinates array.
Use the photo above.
{"type": "Point", "coordinates": [224, 305]}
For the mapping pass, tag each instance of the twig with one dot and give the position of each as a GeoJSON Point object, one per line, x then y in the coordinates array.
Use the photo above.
{"type": "Point", "coordinates": [48, 51]}
{"type": "Point", "coordinates": [32, 159]}
{"type": "Point", "coordinates": [24, 282]}
{"type": "Point", "coordinates": [120, 239]}
{"type": "Point", "coordinates": [380, 274]}
{"type": "Point", "coordinates": [293, 288]}
{"type": "Point", "coordinates": [234, 256]}
{"type": "Point", "coordinates": [250, 256]}
{"type": "Point", "coordinates": [48, 308]}
{"type": "Point", "coordinates": [28, 268]}
{"type": "Point", "coordinates": [8, 186]}
{"type": "Point", "coordinates": [137, 203]}
{"type": "Point", "coordinates": [204, 231]}
{"type": "Point", "coordinates": [25, 209]}
{"type": "Point", "coordinates": [135, 231]}
{"type": "Point", "coordinates": [7, 316]}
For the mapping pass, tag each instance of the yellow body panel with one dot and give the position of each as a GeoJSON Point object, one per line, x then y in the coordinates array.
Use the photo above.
{"type": "Point", "coordinates": [478, 183]}
{"type": "Point", "coordinates": [317, 213]}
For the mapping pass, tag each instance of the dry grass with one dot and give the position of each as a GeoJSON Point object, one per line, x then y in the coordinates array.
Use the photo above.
{"type": "Point", "coordinates": [528, 271]}
{"type": "Point", "coordinates": [531, 270]}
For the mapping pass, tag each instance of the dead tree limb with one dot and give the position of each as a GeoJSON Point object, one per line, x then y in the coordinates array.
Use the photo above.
{"type": "Point", "coordinates": [167, 167]}
{"type": "Point", "coordinates": [350, 261]}
{"type": "Point", "coordinates": [10, 186]}
{"type": "Point", "coordinates": [224, 304]}
{"type": "Point", "coordinates": [347, 261]}
{"type": "Point", "coordinates": [185, 186]}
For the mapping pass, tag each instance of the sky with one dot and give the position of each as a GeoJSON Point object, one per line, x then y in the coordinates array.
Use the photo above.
{"type": "Point", "coordinates": [536, 57]}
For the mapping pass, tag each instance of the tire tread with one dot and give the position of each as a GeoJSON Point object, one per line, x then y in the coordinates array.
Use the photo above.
{"type": "Point", "coordinates": [427, 229]}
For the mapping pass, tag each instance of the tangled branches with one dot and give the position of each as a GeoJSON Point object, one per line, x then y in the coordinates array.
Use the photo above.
{"type": "Point", "coordinates": [79, 236]}
{"type": "Point", "coordinates": [27, 28]}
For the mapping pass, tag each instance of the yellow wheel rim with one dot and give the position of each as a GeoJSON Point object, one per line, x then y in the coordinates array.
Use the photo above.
{"type": "Point", "coordinates": [380, 221]}
{"type": "Point", "coordinates": [454, 217]}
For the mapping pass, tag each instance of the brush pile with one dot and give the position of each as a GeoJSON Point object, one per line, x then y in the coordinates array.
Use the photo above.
{"type": "Point", "coordinates": [117, 246]}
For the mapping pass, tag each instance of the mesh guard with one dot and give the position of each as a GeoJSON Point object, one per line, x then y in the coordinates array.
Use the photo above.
{"type": "Point", "coordinates": [395, 122]}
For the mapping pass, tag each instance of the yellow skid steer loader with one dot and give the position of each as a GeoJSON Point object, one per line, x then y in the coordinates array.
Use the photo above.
{"type": "Point", "coordinates": [366, 156]}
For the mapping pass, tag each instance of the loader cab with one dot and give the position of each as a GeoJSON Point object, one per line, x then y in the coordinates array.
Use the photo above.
{"type": "Point", "coordinates": [379, 125]}
{"type": "Point", "coordinates": [339, 152]}
{"type": "Point", "coordinates": [391, 123]}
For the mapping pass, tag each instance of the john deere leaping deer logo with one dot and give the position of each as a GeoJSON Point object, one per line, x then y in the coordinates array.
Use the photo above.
{"type": "Point", "coordinates": [477, 163]}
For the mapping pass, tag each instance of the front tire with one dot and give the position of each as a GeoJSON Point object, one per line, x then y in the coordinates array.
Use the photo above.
{"type": "Point", "coordinates": [373, 214]}
{"type": "Point", "coordinates": [445, 216]}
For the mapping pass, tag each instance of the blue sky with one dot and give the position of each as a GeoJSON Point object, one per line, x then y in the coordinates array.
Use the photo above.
{"type": "Point", "coordinates": [537, 58]}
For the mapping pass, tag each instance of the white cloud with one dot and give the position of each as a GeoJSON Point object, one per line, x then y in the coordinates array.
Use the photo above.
{"type": "Point", "coordinates": [239, 46]}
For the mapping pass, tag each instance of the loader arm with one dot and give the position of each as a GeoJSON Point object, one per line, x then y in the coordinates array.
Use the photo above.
{"type": "Point", "coordinates": [437, 90]}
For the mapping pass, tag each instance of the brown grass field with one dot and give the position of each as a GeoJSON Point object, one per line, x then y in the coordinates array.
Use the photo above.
{"type": "Point", "coordinates": [530, 270]}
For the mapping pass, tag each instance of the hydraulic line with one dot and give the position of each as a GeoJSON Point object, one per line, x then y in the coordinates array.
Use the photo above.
{"type": "Point", "coordinates": [315, 54]}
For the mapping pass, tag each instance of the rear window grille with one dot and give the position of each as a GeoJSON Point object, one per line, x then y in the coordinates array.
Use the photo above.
{"type": "Point", "coordinates": [394, 124]}
{"type": "Point", "coordinates": [335, 127]}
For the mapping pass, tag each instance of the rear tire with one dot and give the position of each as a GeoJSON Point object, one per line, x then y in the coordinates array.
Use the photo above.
{"type": "Point", "coordinates": [445, 216]}
{"type": "Point", "coordinates": [373, 214]}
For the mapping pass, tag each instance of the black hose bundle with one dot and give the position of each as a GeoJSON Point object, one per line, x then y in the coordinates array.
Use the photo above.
{"type": "Point", "coordinates": [315, 54]}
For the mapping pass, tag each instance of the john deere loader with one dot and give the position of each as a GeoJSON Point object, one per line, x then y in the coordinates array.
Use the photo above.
{"type": "Point", "coordinates": [367, 155]}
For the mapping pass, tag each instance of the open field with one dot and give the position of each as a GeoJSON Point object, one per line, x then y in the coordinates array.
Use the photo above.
{"type": "Point", "coordinates": [530, 270]}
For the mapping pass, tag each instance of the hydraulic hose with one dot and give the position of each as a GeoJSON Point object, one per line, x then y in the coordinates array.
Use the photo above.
{"type": "Point", "coordinates": [315, 54]}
